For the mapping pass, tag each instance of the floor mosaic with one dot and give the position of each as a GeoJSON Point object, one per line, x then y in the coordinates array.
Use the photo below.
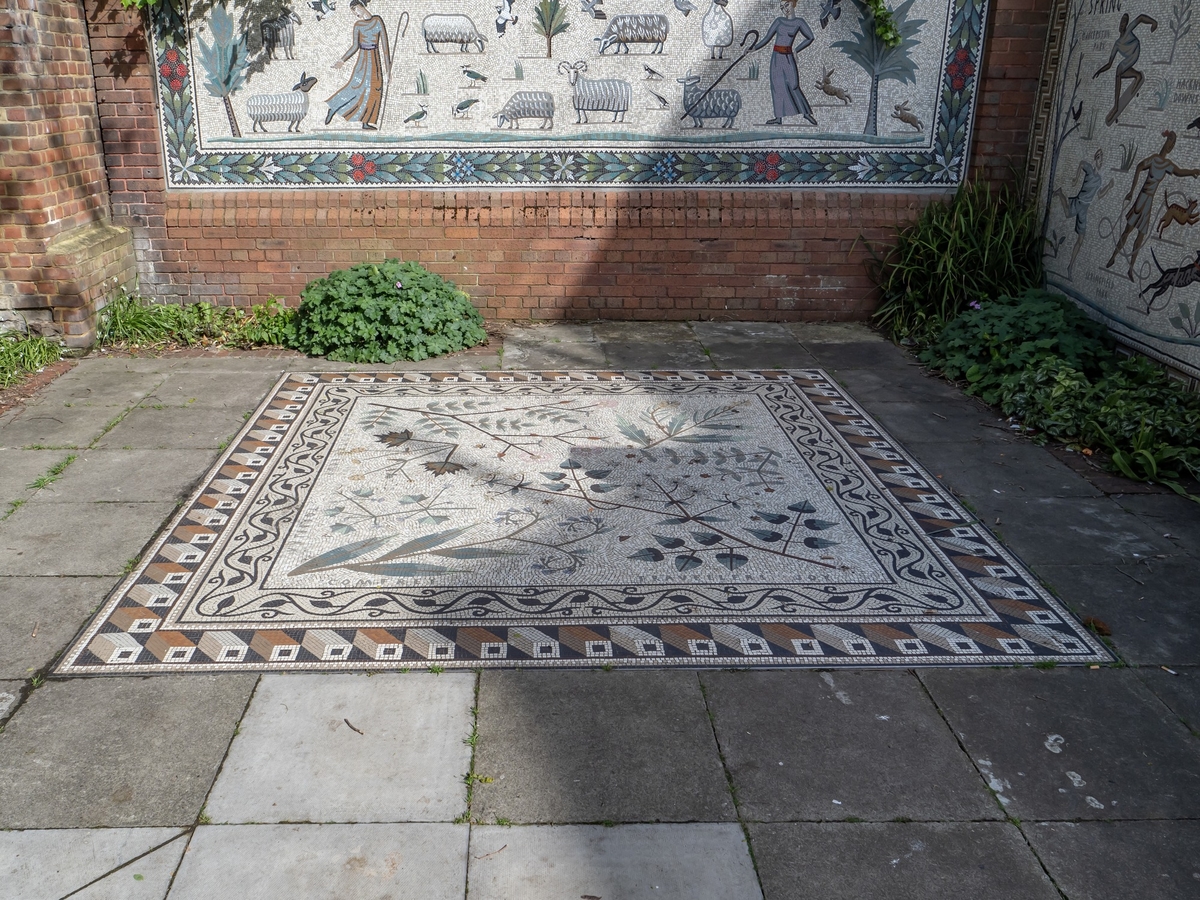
{"type": "Point", "coordinates": [717, 519]}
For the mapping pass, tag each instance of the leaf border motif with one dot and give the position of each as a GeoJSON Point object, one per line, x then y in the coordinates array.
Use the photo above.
{"type": "Point", "coordinates": [943, 166]}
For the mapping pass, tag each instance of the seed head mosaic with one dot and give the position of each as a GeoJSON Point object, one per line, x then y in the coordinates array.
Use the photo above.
{"type": "Point", "coordinates": [571, 519]}
{"type": "Point", "coordinates": [543, 92]}
{"type": "Point", "coordinates": [1120, 193]}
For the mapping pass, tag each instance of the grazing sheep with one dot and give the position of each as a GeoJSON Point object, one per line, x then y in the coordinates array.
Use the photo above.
{"type": "Point", "coordinates": [724, 104]}
{"type": "Point", "coordinates": [450, 29]}
{"type": "Point", "coordinates": [527, 105]}
{"type": "Point", "coordinates": [641, 28]}
{"type": "Point", "coordinates": [291, 107]}
{"type": "Point", "coordinates": [596, 94]}
{"type": "Point", "coordinates": [280, 32]}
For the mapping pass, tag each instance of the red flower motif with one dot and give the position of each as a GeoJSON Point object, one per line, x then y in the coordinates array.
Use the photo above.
{"type": "Point", "coordinates": [369, 167]}
{"type": "Point", "coordinates": [357, 175]}
{"type": "Point", "coordinates": [165, 70]}
{"type": "Point", "coordinates": [172, 55]}
{"type": "Point", "coordinates": [181, 71]}
{"type": "Point", "coordinates": [772, 174]}
{"type": "Point", "coordinates": [968, 70]}
{"type": "Point", "coordinates": [957, 84]}
{"type": "Point", "coordinates": [760, 166]}
{"type": "Point", "coordinates": [962, 54]}
{"type": "Point", "coordinates": [176, 85]}
{"type": "Point", "coordinates": [773, 159]}
{"type": "Point", "coordinates": [356, 160]}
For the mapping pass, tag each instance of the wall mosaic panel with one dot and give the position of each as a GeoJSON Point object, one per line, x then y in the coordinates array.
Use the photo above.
{"type": "Point", "coordinates": [1120, 186]}
{"type": "Point", "coordinates": [564, 92]}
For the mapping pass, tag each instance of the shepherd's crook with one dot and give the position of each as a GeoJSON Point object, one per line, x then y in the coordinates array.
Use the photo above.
{"type": "Point", "coordinates": [396, 35]}
{"type": "Point", "coordinates": [687, 110]}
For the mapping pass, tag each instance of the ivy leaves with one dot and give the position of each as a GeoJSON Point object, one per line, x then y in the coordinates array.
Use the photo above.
{"type": "Point", "coordinates": [575, 476]}
{"type": "Point", "coordinates": [726, 549]}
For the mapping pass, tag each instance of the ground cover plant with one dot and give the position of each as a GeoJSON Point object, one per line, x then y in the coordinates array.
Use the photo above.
{"type": "Point", "coordinates": [21, 355]}
{"type": "Point", "coordinates": [1045, 363]}
{"type": "Point", "coordinates": [135, 322]}
{"type": "Point", "coordinates": [383, 312]}
{"type": "Point", "coordinates": [978, 245]}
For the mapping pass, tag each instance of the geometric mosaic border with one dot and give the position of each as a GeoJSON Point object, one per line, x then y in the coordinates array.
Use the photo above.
{"type": "Point", "coordinates": [847, 163]}
{"type": "Point", "coordinates": [1004, 618]}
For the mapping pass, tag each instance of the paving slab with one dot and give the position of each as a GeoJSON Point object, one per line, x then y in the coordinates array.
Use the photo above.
{"type": "Point", "coordinates": [102, 537]}
{"type": "Point", "coordinates": [47, 865]}
{"type": "Point", "coordinates": [987, 472]}
{"type": "Point", "coordinates": [555, 333]}
{"type": "Point", "coordinates": [831, 746]}
{"type": "Point", "coordinates": [1079, 530]}
{"type": "Point", "coordinates": [325, 862]}
{"type": "Point", "coordinates": [20, 467]}
{"type": "Point", "coordinates": [915, 861]}
{"type": "Point", "coordinates": [752, 345]}
{"type": "Point", "coordinates": [916, 422]}
{"type": "Point", "coordinates": [1180, 691]}
{"type": "Point", "coordinates": [148, 877]}
{"type": "Point", "coordinates": [565, 747]}
{"type": "Point", "coordinates": [1121, 860]}
{"type": "Point", "coordinates": [1152, 609]}
{"type": "Point", "coordinates": [554, 356]}
{"type": "Point", "coordinates": [212, 390]}
{"type": "Point", "coordinates": [1178, 519]}
{"type": "Point", "coordinates": [1072, 744]}
{"type": "Point", "coordinates": [10, 692]}
{"type": "Point", "coordinates": [298, 757]}
{"type": "Point", "coordinates": [56, 426]}
{"type": "Point", "coordinates": [98, 383]}
{"type": "Point", "coordinates": [667, 355]}
{"type": "Point", "coordinates": [667, 862]}
{"type": "Point", "coordinates": [835, 333]}
{"type": "Point", "coordinates": [117, 752]}
{"type": "Point", "coordinates": [881, 385]}
{"type": "Point", "coordinates": [175, 428]}
{"type": "Point", "coordinates": [643, 332]}
{"type": "Point", "coordinates": [40, 615]}
{"type": "Point", "coordinates": [862, 355]}
{"type": "Point", "coordinates": [129, 476]}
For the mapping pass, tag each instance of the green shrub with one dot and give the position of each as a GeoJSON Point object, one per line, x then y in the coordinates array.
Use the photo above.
{"type": "Point", "coordinates": [977, 246]}
{"type": "Point", "coordinates": [20, 355]}
{"type": "Point", "coordinates": [132, 321]}
{"type": "Point", "coordinates": [1149, 425]}
{"type": "Point", "coordinates": [1006, 336]}
{"type": "Point", "coordinates": [382, 312]}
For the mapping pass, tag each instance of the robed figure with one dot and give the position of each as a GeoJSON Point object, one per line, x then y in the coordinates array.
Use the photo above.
{"type": "Point", "coordinates": [786, 96]}
{"type": "Point", "coordinates": [361, 100]}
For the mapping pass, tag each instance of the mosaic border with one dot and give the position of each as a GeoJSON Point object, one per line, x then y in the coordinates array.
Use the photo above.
{"type": "Point", "coordinates": [1027, 624]}
{"type": "Point", "coordinates": [941, 166]}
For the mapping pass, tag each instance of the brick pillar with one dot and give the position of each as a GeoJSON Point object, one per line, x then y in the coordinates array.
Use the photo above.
{"type": "Point", "coordinates": [60, 257]}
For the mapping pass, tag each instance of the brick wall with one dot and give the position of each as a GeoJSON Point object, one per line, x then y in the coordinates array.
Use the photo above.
{"type": "Point", "coordinates": [534, 254]}
{"type": "Point", "coordinates": [58, 252]}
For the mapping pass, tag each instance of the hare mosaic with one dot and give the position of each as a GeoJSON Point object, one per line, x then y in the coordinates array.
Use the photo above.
{"type": "Point", "coordinates": [554, 518]}
{"type": "Point", "coordinates": [544, 92]}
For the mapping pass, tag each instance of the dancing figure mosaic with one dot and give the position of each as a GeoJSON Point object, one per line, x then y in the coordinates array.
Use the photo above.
{"type": "Point", "coordinates": [571, 519]}
{"type": "Point", "coordinates": [544, 92]}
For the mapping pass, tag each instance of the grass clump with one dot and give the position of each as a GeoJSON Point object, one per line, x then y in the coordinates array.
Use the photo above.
{"type": "Point", "coordinates": [21, 356]}
{"type": "Point", "coordinates": [383, 312]}
{"type": "Point", "coordinates": [976, 246]}
{"type": "Point", "coordinates": [132, 321]}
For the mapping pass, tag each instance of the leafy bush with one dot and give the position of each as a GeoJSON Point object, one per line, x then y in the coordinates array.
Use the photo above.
{"type": "Point", "coordinates": [1005, 336]}
{"type": "Point", "coordinates": [382, 312]}
{"type": "Point", "coordinates": [20, 355]}
{"type": "Point", "coordinates": [1149, 425]}
{"type": "Point", "coordinates": [977, 246]}
{"type": "Point", "coordinates": [132, 321]}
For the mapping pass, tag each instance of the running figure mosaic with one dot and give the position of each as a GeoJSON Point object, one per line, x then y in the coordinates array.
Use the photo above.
{"type": "Point", "coordinates": [571, 519]}
{"type": "Point", "coordinates": [712, 92]}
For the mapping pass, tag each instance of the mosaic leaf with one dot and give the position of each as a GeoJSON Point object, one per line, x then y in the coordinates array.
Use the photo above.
{"type": "Point", "coordinates": [671, 543]}
{"type": "Point", "coordinates": [802, 507]}
{"type": "Point", "coordinates": [395, 438]}
{"type": "Point", "coordinates": [767, 537]}
{"type": "Point", "coordinates": [632, 432]}
{"type": "Point", "coordinates": [706, 538]}
{"type": "Point", "coordinates": [427, 542]}
{"type": "Point", "coordinates": [598, 474]}
{"type": "Point", "coordinates": [817, 543]}
{"type": "Point", "coordinates": [339, 555]}
{"type": "Point", "coordinates": [444, 468]}
{"type": "Point", "coordinates": [687, 562]}
{"type": "Point", "coordinates": [400, 570]}
{"type": "Point", "coordinates": [732, 560]}
{"type": "Point", "coordinates": [554, 476]}
{"type": "Point", "coordinates": [472, 553]}
{"type": "Point", "coordinates": [773, 518]}
{"type": "Point", "coordinates": [818, 524]}
{"type": "Point", "coordinates": [648, 554]}
{"type": "Point", "coordinates": [603, 488]}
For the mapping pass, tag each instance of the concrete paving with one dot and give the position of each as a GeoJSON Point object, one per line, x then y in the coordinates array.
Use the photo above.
{"type": "Point", "coordinates": [1070, 783]}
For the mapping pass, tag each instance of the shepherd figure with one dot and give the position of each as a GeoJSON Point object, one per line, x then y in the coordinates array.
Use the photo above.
{"type": "Point", "coordinates": [361, 100]}
{"type": "Point", "coordinates": [786, 96]}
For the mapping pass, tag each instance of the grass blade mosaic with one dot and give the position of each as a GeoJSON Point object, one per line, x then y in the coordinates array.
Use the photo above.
{"type": "Point", "coordinates": [562, 92]}
{"type": "Point", "coordinates": [571, 519]}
